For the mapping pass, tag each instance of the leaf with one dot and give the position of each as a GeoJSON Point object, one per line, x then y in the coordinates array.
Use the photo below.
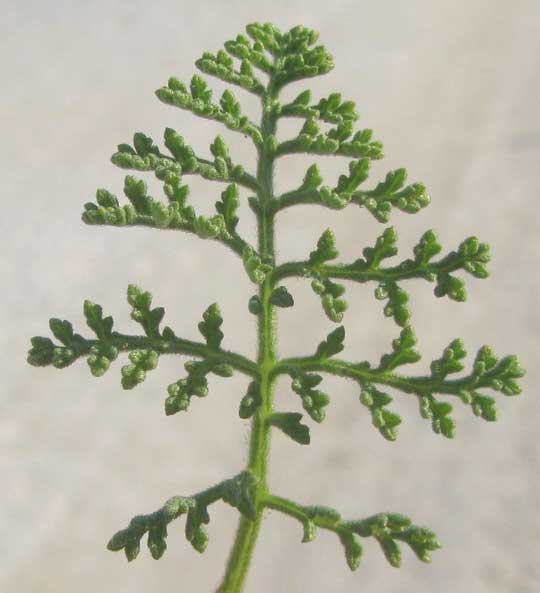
{"type": "Point", "coordinates": [329, 291]}
{"type": "Point", "coordinates": [403, 351]}
{"type": "Point", "coordinates": [326, 249]}
{"type": "Point", "coordinates": [484, 407]}
{"type": "Point", "coordinates": [393, 182]}
{"type": "Point", "coordinates": [101, 356]}
{"type": "Point", "coordinates": [182, 153]}
{"type": "Point", "coordinates": [199, 89]}
{"type": "Point", "coordinates": [41, 352]}
{"type": "Point", "coordinates": [289, 423]}
{"type": "Point", "coordinates": [209, 228]}
{"type": "Point", "coordinates": [385, 247]}
{"type": "Point", "coordinates": [219, 148]}
{"type": "Point", "coordinates": [253, 265]}
{"type": "Point", "coordinates": [426, 248]}
{"type": "Point", "coordinates": [332, 345]}
{"type": "Point", "coordinates": [239, 492]}
{"type": "Point", "coordinates": [358, 173]}
{"type": "Point", "coordinates": [383, 419]}
{"type": "Point", "coordinates": [353, 550]}
{"type": "Point", "coordinates": [313, 400]}
{"type": "Point", "coordinates": [141, 361]}
{"type": "Point", "coordinates": [438, 412]}
{"type": "Point", "coordinates": [303, 98]}
{"type": "Point", "coordinates": [422, 541]}
{"type": "Point", "coordinates": [101, 326]}
{"type": "Point", "coordinates": [281, 297]}
{"type": "Point", "coordinates": [156, 541]}
{"type": "Point", "coordinates": [251, 401]}
{"type": "Point", "coordinates": [310, 127]}
{"type": "Point", "coordinates": [62, 330]}
{"type": "Point", "coordinates": [144, 145]}
{"type": "Point", "coordinates": [210, 326]}
{"type": "Point", "coordinates": [228, 206]}
{"type": "Point", "coordinates": [195, 532]}
{"type": "Point", "coordinates": [312, 179]}
{"type": "Point", "coordinates": [309, 531]}
{"type": "Point", "coordinates": [476, 254]}
{"type": "Point", "coordinates": [105, 199]}
{"type": "Point", "coordinates": [451, 286]}
{"type": "Point", "coordinates": [136, 192]}
{"type": "Point", "coordinates": [397, 302]}
{"type": "Point", "coordinates": [229, 104]}
{"type": "Point", "coordinates": [254, 305]}
{"type": "Point", "coordinates": [450, 362]}
{"type": "Point", "coordinates": [148, 318]}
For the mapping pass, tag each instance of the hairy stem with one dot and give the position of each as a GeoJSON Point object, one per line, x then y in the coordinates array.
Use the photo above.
{"type": "Point", "coordinates": [247, 532]}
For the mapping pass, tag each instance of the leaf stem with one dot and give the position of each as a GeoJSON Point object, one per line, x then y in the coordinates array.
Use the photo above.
{"type": "Point", "coordinates": [247, 532]}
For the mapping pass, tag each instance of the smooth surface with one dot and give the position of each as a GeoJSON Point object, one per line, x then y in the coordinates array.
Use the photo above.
{"type": "Point", "coordinates": [451, 89]}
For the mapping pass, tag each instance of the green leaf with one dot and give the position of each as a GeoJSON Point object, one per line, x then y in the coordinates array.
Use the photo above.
{"type": "Point", "coordinates": [101, 356]}
{"type": "Point", "coordinates": [313, 400]}
{"type": "Point", "coordinates": [397, 302]}
{"type": "Point", "coordinates": [156, 541]}
{"type": "Point", "coordinates": [148, 318]}
{"type": "Point", "coordinates": [41, 353]}
{"type": "Point", "coordinates": [309, 531]}
{"type": "Point", "coordinates": [136, 192]}
{"type": "Point", "coordinates": [199, 89]}
{"type": "Point", "coordinates": [451, 286]}
{"type": "Point", "coordinates": [210, 326]}
{"type": "Point", "coordinates": [230, 104]}
{"type": "Point", "coordinates": [228, 206]}
{"type": "Point", "coordinates": [251, 401]}
{"type": "Point", "coordinates": [403, 351]}
{"type": "Point", "coordinates": [62, 330]}
{"type": "Point", "coordinates": [353, 550]}
{"type": "Point", "coordinates": [484, 407]}
{"type": "Point", "coordinates": [476, 254]}
{"type": "Point", "coordinates": [326, 249]}
{"type": "Point", "coordinates": [141, 361]}
{"type": "Point", "coordinates": [426, 248]}
{"type": "Point", "coordinates": [332, 345]}
{"type": "Point", "coordinates": [450, 362]}
{"type": "Point", "coordinates": [253, 265]}
{"type": "Point", "coordinates": [438, 412]}
{"type": "Point", "coordinates": [422, 541]}
{"type": "Point", "coordinates": [312, 179]}
{"type": "Point", "coordinates": [182, 153]}
{"type": "Point", "coordinates": [303, 98]}
{"type": "Point", "coordinates": [391, 192]}
{"type": "Point", "coordinates": [209, 228]}
{"type": "Point", "coordinates": [281, 297]}
{"type": "Point", "coordinates": [105, 199]}
{"type": "Point", "coordinates": [101, 326]}
{"type": "Point", "coordinates": [239, 492]}
{"type": "Point", "coordinates": [132, 550]}
{"type": "Point", "coordinates": [290, 424]}
{"type": "Point", "coordinates": [385, 247]}
{"type": "Point", "coordinates": [254, 305]}
{"type": "Point", "coordinates": [383, 419]}
{"type": "Point", "coordinates": [195, 532]}
{"type": "Point", "coordinates": [219, 148]}
{"type": "Point", "coordinates": [391, 551]}
{"type": "Point", "coordinates": [329, 291]}
{"type": "Point", "coordinates": [144, 145]}
{"type": "Point", "coordinates": [358, 173]}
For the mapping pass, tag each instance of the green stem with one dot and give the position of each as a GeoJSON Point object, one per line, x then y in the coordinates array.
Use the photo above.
{"type": "Point", "coordinates": [247, 532]}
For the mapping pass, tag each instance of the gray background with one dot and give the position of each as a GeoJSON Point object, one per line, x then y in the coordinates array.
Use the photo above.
{"type": "Point", "coordinates": [451, 88]}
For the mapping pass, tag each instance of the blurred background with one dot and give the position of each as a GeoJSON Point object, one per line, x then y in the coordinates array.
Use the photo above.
{"type": "Point", "coordinates": [451, 89]}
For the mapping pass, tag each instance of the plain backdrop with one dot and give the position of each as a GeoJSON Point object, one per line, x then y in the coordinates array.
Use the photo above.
{"type": "Point", "coordinates": [451, 88]}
